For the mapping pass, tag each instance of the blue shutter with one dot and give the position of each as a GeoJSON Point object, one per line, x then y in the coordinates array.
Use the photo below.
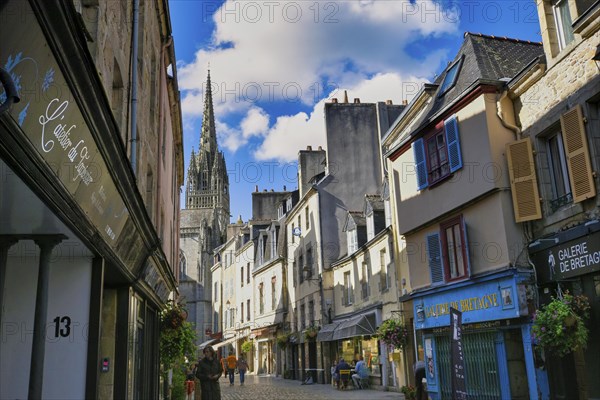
{"type": "Point", "coordinates": [420, 163]}
{"type": "Point", "coordinates": [434, 257]}
{"type": "Point", "coordinates": [452, 138]}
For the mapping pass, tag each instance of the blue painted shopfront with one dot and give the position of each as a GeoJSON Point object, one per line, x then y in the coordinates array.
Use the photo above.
{"type": "Point", "coordinates": [495, 314]}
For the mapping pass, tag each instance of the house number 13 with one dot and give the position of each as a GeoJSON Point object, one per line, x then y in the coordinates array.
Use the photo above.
{"type": "Point", "coordinates": [62, 326]}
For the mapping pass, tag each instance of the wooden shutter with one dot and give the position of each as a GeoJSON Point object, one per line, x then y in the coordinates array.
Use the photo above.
{"type": "Point", "coordinates": [578, 158]}
{"type": "Point", "coordinates": [420, 163]}
{"type": "Point", "coordinates": [434, 257]}
{"type": "Point", "coordinates": [453, 140]}
{"type": "Point", "coordinates": [523, 181]}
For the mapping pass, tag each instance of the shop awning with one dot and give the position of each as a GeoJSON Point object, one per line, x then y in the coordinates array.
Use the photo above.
{"type": "Point", "coordinates": [202, 345]}
{"type": "Point", "coordinates": [225, 342]}
{"type": "Point", "coordinates": [359, 325]}
{"type": "Point", "coordinates": [326, 332]}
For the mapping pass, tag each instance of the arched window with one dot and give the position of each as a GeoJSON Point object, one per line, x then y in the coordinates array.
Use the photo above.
{"type": "Point", "coordinates": [182, 264]}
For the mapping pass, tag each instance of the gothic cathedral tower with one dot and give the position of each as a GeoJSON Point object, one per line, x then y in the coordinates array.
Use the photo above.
{"type": "Point", "coordinates": [203, 221]}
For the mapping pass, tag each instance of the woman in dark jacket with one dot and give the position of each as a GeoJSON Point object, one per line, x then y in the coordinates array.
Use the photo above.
{"type": "Point", "coordinates": [208, 372]}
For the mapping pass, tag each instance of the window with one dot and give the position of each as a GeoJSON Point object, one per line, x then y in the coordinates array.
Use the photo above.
{"type": "Point", "coordinates": [371, 226]}
{"type": "Point", "coordinates": [301, 268]}
{"type": "Point", "coordinates": [564, 24]}
{"type": "Point", "coordinates": [302, 316]}
{"type": "Point", "coordinates": [559, 177]}
{"type": "Point", "coordinates": [292, 233]}
{"type": "Point", "coordinates": [352, 238]}
{"type": "Point", "coordinates": [273, 293]}
{"type": "Point", "coordinates": [294, 279]}
{"type": "Point", "coordinates": [311, 311]}
{"type": "Point", "coordinates": [454, 249]}
{"type": "Point", "coordinates": [347, 294]}
{"type": "Point", "coordinates": [216, 291]}
{"type": "Point", "coordinates": [182, 265]}
{"type": "Point", "coordinates": [306, 218]}
{"type": "Point", "coordinates": [450, 78]}
{"type": "Point", "coordinates": [242, 275]}
{"type": "Point", "coordinates": [365, 281]}
{"type": "Point", "coordinates": [383, 268]}
{"type": "Point", "coordinates": [437, 155]}
{"type": "Point", "coordinates": [299, 222]}
{"type": "Point", "coordinates": [248, 273]}
{"type": "Point", "coordinates": [261, 299]}
{"type": "Point", "coordinates": [309, 261]}
{"type": "Point", "coordinates": [242, 312]}
{"type": "Point", "coordinates": [248, 310]}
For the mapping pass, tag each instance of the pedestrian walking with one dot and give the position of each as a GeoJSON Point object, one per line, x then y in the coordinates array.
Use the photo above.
{"type": "Point", "coordinates": [231, 364]}
{"type": "Point", "coordinates": [208, 372]}
{"type": "Point", "coordinates": [242, 367]}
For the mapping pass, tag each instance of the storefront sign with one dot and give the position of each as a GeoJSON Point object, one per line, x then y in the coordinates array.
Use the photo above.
{"type": "Point", "coordinates": [458, 371]}
{"type": "Point", "coordinates": [52, 121]}
{"type": "Point", "coordinates": [566, 260]}
{"type": "Point", "coordinates": [496, 299]}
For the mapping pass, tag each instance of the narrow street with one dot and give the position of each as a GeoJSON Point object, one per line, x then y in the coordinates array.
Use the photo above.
{"type": "Point", "coordinates": [271, 388]}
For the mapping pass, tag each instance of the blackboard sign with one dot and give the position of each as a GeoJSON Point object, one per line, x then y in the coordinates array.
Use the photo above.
{"type": "Point", "coordinates": [458, 372]}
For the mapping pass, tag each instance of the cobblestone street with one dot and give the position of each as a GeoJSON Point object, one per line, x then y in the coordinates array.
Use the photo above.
{"type": "Point", "coordinates": [271, 388]}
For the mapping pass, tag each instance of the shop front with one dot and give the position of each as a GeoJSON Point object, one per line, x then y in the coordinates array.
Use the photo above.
{"type": "Point", "coordinates": [569, 261]}
{"type": "Point", "coordinates": [496, 339]}
{"type": "Point", "coordinates": [264, 338]}
{"type": "Point", "coordinates": [82, 275]}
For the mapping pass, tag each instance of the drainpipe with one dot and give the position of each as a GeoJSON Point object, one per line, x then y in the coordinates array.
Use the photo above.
{"type": "Point", "coordinates": [503, 98]}
{"type": "Point", "coordinates": [134, 56]}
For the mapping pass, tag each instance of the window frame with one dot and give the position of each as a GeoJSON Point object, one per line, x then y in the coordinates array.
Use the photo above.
{"type": "Point", "coordinates": [431, 137]}
{"type": "Point", "coordinates": [558, 200]}
{"type": "Point", "coordinates": [456, 221]}
{"type": "Point", "coordinates": [445, 88]}
{"type": "Point", "coordinates": [561, 34]}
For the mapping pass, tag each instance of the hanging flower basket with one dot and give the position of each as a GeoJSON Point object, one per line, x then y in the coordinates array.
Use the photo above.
{"type": "Point", "coordinates": [394, 332]}
{"type": "Point", "coordinates": [173, 316]}
{"type": "Point", "coordinates": [311, 332]}
{"type": "Point", "coordinates": [559, 326]}
{"type": "Point", "coordinates": [283, 340]}
{"type": "Point", "coordinates": [247, 346]}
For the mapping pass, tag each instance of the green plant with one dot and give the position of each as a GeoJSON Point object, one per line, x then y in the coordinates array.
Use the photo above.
{"type": "Point", "coordinates": [311, 331]}
{"type": "Point", "coordinates": [394, 332]}
{"type": "Point", "coordinates": [247, 346]}
{"type": "Point", "coordinates": [559, 326]}
{"type": "Point", "coordinates": [283, 340]}
{"type": "Point", "coordinates": [410, 392]}
{"type": "Point", "coordinates": [177, 337]}
{"type": "Point", "coordinates": [178, 384]}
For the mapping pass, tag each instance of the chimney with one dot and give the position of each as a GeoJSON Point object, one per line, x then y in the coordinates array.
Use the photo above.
{"type": "Point", "coordinates": [256, 188]}
{"type": "Point", "coordinates": [356, 100]}
{"type": "Point", "coordinates": [284, 188]}
{"type": "Point", "coordinates": [265, 190]}
{"type": "Point", "coordinates": [345, 97]}
{"type": "Point", "coordinates": [309, 148]}
{"type": "Point", "coordinates": [404, 102]}
{"type": "Point", "coordinates": [388, 102]}
{"type": "Point", "coordinates": [320, 148]}
{"type": "Point", "coordinates": [334, 100]}
{"type": "Point", "coordinates": [272, 190]}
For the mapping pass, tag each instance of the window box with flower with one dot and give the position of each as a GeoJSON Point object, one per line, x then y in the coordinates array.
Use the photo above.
{"type": "Point", "coordinates": [310, 333]}
{"type": "Point", "coordinates": [395, 333]}
{"type": "Point", "coordinates": [559, 326]}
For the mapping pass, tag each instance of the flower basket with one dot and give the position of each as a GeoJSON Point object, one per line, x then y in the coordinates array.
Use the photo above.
{"type": "Point", "coordinates": [247, 346]}
{"type": "Point", "coordinates": [559, 326]}
{"type": "Point", "coordinates": [394, 332]}
{"type": "Point", "coordinates": [311, 332]}
{"type": "Point", "coordinates": [283, 340]}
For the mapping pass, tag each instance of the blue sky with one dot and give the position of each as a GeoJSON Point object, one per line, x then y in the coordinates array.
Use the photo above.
{"type": "Point", "coordinates": [274, 64]}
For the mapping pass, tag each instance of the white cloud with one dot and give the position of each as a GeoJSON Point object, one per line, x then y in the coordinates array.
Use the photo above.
{"type": "Point", "coordinates": [255, 123]}
{"type": "Point", "coordinates": [267, 53]}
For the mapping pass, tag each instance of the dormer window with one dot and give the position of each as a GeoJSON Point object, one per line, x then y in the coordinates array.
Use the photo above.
{"type": "Point", "coordinates": [352, 240]}
{"type": "Point", "coordinates": [564, 23]}
{"type": "Point", "coordinates": [450, 78]}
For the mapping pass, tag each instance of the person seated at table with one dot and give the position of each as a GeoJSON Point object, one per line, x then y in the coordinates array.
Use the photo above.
{"type": "Point", "coordinates": [335, 377]}
{"type": "Point", "coordinates": [343, 379]}
{"type": "Point", "coordinates": [360, 372]}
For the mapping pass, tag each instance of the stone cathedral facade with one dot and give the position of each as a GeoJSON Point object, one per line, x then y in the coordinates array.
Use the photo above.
{"type": "Point", "coordinates": [203, 223]}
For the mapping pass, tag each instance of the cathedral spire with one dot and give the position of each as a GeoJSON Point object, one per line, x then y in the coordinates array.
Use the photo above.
{"type": "Point", "coordinates": [208, 135]}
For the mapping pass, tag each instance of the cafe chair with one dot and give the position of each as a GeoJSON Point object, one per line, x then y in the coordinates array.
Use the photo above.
{"type": "Point", "coordinates": [344, 378]}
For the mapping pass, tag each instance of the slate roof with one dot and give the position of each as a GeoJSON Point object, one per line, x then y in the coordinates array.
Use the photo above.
{"type": "Point", "coordinates": [486, 59]}
{"type": "Point", "coordinates": [375, 201]}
